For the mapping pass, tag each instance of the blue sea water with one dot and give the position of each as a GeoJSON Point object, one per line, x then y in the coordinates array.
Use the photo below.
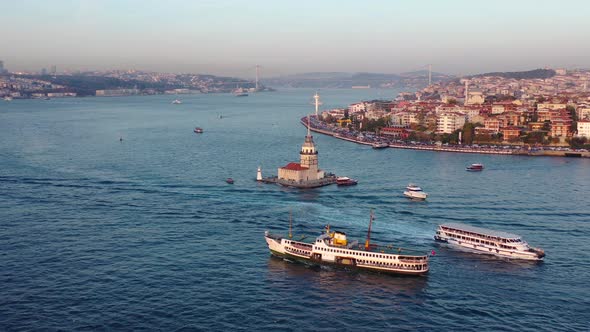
{"type": "Point", "coordinates": [144, 234]}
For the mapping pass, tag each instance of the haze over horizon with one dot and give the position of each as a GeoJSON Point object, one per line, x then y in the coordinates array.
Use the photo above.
{"type": "Point", "coordinates": [231, 37]}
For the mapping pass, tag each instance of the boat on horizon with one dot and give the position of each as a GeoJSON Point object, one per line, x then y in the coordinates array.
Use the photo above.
{"type": "Point", "coordinates": [345, 181]}
{"type": "Point", "coordinates": [229, 180]}
{"type": "Point", "coordinates": [8, 98]}
{"type": "Point", "coordinates": [474, 168]}
{"type": "Point", "coordinates": [415, 192]}
{"type": "Point", "coordinates": [176, 102]}
{"type": "Point", "coordinates": [487, 241]}
{"type": "Point", "coordinates": [333, 248]}
{"type": "Point", "coordinates": [198, 130]}
{"type": "Point", "coordinates": [239, 92]}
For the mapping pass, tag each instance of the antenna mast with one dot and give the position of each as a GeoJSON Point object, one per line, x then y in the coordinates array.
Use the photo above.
{"type": "Point", "coordinates": [368, 241]}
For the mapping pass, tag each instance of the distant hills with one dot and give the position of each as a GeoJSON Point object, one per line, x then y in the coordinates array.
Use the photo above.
{"type": "Point", "coordinates": [417, 79]}
{"type": "Point", "coordinates": [519, 75]}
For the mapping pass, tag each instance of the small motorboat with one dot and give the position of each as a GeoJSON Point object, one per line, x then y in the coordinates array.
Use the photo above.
{"type": "Point", "coordinates": [176, 102]}
{"type": "Point", "coordinates": [229, 181]}
{"type": "Point", "coordinates": [415, 192]}
{"type": "Point", "coordinates": [474, 168]}
{"type": "Point", "coordinates": [345, 181]}
{"type": "Point", "coordinates": [198, 130]}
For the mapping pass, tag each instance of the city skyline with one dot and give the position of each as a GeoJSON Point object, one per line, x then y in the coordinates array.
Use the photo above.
{"type": "Point", "coordinates": [231, 37]}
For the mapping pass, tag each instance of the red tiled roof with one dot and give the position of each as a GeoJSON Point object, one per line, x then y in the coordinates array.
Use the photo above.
{"type": "Point", "coordinates": [294, 167]}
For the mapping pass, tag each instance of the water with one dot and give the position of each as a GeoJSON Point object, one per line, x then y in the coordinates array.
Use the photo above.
{"type": "Point", "coordinates": [98, 234]}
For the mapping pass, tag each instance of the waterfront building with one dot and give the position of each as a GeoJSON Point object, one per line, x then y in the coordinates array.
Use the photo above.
{"type": "Point", "coordinates": [510, 133]}
{"type": "Point", "coordinates": [447, 123]}
{"type": "Point", "coordinates": [584, 128]}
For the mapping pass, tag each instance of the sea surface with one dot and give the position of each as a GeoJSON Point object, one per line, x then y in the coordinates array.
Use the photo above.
{"type": "Point", "coordinates": [144, 233]}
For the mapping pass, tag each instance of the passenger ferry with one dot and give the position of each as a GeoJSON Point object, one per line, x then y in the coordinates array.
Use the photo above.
{"type": "Point", "coordinates": [474, 168]}
{"type": "Point", "coordinates": [333, 248]}
{"type": "Point", "coordinates": [486, 241]}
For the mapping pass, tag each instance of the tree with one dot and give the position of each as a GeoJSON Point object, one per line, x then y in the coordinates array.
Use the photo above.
{"type": "Point", "coordinates": [452, 101]}
{"type": "Point", "coordinates": [468, 133]}
{"type": "Point", "coordinates": [572, 111]}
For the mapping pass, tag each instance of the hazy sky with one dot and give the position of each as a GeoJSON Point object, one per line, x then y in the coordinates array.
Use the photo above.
{"type": "Point", "coordinates": [293, 36]}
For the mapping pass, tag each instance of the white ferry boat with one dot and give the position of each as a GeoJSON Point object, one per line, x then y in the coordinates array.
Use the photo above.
{"type": "Point", "coordinates": [380, 145]}
{"type": "Point", "coordinates": [481, 240]}
{"type": "Point", "coordinates": [415, 192]}
{"type": "Point", "coordinates": [333, 248]}
{"type": "Point", "coordinates": [176, 102]}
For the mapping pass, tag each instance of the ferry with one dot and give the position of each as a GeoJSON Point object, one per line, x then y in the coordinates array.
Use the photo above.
{"type": "Point", "coordinates": [333, 248]}
{"type": "Point", "coordinates": [415, 192]}
{"type": "Point", "coordinates": [198, 130]}
{"type": "Point", "coordinates": [486, 241]}
{"type": "Point", "coordinates": [345, 181]}
{"type": "Point", "coordinates": [378, 145]}
{"type": "Point", "coordinates": [474, 168]}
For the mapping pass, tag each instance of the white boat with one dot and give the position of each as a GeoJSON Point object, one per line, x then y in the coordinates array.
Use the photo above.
{"type": "Point", "coordinates": [176, 101]}
{"type": "Point", "coordinates": [486, 241]}
{"type": "Point", "coordinates": [345, 181]}
{"type": "Point", "coordinates": [415, 192]}
{"type": "Point", "coordinates": [8, 98]}
{"type": "Point", "coordinates": [333, 248]}
{"type": "Point", "coordinates": [380, 145]}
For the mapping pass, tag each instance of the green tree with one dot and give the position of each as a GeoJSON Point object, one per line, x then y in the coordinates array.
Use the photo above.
{"type": "Point", "coordinates": [468, 133]}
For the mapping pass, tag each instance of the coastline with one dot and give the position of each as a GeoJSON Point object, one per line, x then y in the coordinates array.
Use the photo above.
{"type": "Point", "coordinates": [455, 149]}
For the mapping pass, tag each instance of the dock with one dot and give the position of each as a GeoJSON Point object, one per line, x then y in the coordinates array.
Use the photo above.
{"type": "Point", "coordinates": [326, 181]}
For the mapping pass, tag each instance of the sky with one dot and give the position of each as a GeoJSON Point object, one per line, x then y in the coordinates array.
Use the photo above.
{"type": "Point", "coordinates": [223, 37]}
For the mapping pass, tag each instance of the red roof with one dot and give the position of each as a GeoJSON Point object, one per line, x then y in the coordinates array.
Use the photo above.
{"type": "Point", "coordinates": [294, 167]}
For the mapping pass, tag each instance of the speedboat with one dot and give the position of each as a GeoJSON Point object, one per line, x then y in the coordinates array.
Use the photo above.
{"type": "Point", "coordinates": [415, 192]}
{"type": "Point", "coordinates": [176, 102]}
{"type": "Point", "coordinates": [198, 130]}
{"type": "Point", "coordinates": [345, 181]}
{"type": "Point", "coordinates": [474, 168]}
{"type": "Point", "coordinates": [229, 181]}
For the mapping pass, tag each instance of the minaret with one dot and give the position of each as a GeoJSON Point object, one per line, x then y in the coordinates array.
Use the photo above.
{"type": "Point", "coordinates": [309, 154]}
{"type": "Point", "coordinates": [466, 92]}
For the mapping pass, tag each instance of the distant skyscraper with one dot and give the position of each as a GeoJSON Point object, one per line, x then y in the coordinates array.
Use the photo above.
{"type": "Point", "coordinates": [2, 67]}
{"type": "Point", "coordinates": [53, 70]}
{"type": "Point", "coordinates": [43, 71]}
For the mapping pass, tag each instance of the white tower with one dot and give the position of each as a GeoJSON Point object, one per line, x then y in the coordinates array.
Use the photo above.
{"type": "Point", "coordinates": [259, 174]}
{"type": "Point", "coordinates": [429, 75]}
{"type": "Point", "coordinates": [466, 91]}
{"type": "Point", "coordinates": [317, 103]}
{"type": "Point", "coordinates": [309, 154]}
